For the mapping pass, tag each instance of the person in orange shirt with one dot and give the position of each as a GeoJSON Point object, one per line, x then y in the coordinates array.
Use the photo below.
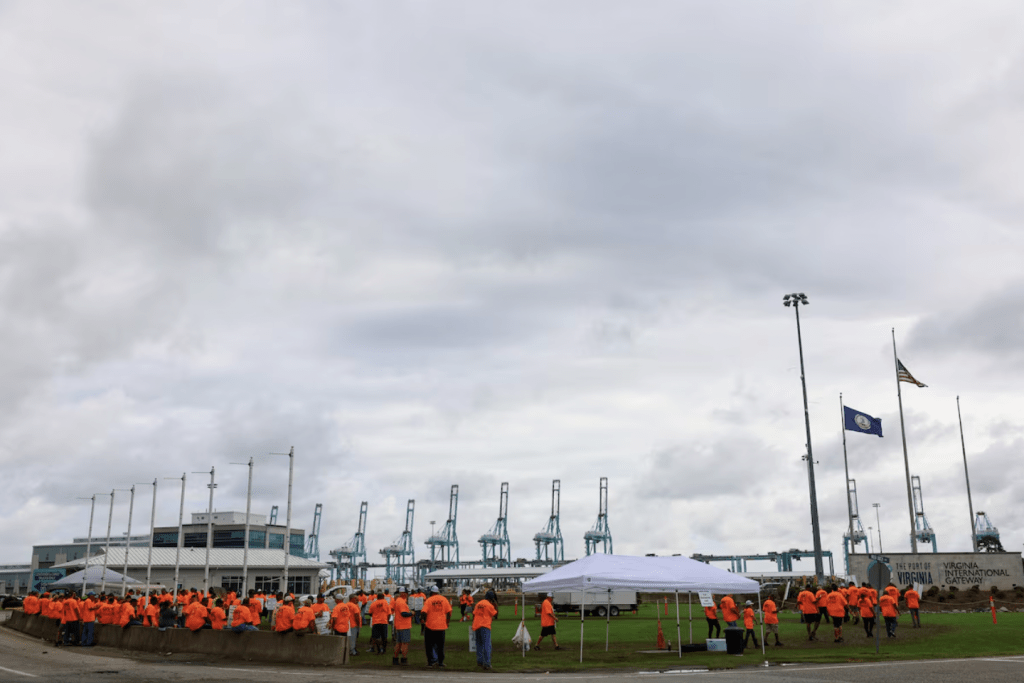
{"type": "Point", "coordinates": [403, 627]}
{"type": "Point", "coordinates": [821, 600]}
{"type": "Point", "coordinates": [853, 600]}
{"type": "Point", "coordinates": [71, 620]}
{"type": "Point", "coordinates": [438, 613]}
{"type": "Point", "coordinates": [127, 615]}
{"type": "Point", "coordinates": [548, 621]}
{"type": "Point", "coordinates": [44, 604]}
{"type": "Point", "coordinates": [809, 610]}
{"type": "Point", "coordinates": [711, 614]}
{"type": "Point", "coordinates": [835, 603]}
{"type": "Point", "coordinates": [379, 611]}
{"type": "Point", "coordinates": [355, 622]}
{"type": "Point", "coordinates": [240, 620]}
{"type": "Point", "coordinates": [88, 608]}
{"type": "Point", "coordinates": [771, 618]}
{"type": "Point", "coordinates": [256, 607]}
{"type": "Point", "coordinates": [151, 614]}
{"type": "Point", "coordinates": [218, 619]}
{"type": "Point", "coordinates": [195, 614]}
{"type": "Point", "coordinates": [483, 614]}
{"type": "Point", "coordinates": [913, 600]}
{"type": "Point", "coordinates": [867, 609]}
{"type": "Point", "coordinates": [304, 619]}
{"type": "Point", "coordinates": [748, 624]}
{"type": "Point", "coordinates": [340, 618]}
{"type": "Point", "coordinates": [31, 603]}
{"type": "Point", "coordinates": [319, 607]}
{"type": "Point", "coordinates": [285, 616]}
{"type": "Point", "coordinates": [419, 594]}
{"type": "Point", "coordinates": [730, 613]}
{"type": "Point", "coordinates": [889, 613]}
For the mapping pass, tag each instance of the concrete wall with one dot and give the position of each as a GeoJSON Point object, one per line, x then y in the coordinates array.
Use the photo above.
{"type": "Point", "coordinates": [255, 646]}
{"type": "Point", "coordinates": [962, 570]}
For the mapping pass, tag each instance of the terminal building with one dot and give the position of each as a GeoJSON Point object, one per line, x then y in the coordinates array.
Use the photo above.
{"type": "Point", "coordinates": [229, 532]}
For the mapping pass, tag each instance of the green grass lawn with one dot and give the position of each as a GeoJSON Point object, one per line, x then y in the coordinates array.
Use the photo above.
{"type": "Point", "coordinates": [942, 635]}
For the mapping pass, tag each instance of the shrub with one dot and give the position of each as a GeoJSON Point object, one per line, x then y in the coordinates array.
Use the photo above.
{"type": "Point", "coordinates": [953, 589]}
{"type": "Point", "coordinates": [942, 598]}
{"type": "Point", "coordinates": [974, 589]}
{"type": "Point", "coordinates": [993, 589]}
{"type": "Point", "coordinates": [934, 590]}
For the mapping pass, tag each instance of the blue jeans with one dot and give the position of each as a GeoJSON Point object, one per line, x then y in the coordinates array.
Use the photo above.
{"type": "Point", "coordinates": [242, 628]}
{"type": "Point", "coordinates": [88, 632]}
{"type": "Point", "coordinates": [353, 637]}
{"type": "Point", "coordinates": [483, 646]}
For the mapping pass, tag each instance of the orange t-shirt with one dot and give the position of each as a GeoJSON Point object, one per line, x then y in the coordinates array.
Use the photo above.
{"type": "Point", "coordinates": [320, 607]}
{"type": "Point", "coordinates": [218, 620]}
{"type": "Point", "coordinates": [771, 612]}
{"type": "Point", "coordinates": [483, 614]}
{"type": "Point", "coordinates": [355, 619]}
{"type": "Point", "coordinates": [711, 612]}
{"type": "Point", "coordinates": [31, 605]}
{"type": "Point", "coordinates": [729, 611]}
{"type": "Point", "coordinates": [340, 617]}
{"type": "Point", "coordinates": [285, 617]}
{"type": "Point", "coordinates": [547, 614]}
{"type": "Point", "coordinates": [303, 618]}
{"type": "Point", "coordinates": [806, 601]}
{"type": "Point", "coordinates": [195, 616]}
{"type": "Point", "coordinates": [836, 604]}
{"type": "Point", "coordinates": [402, 623]}
{"type": "Point", "coordinates": [379, 611]}
{"type": "Point", "coordinates": [888, 606]}
{"type": "Point", "coordinates": [748, 618]}
{"type": "Point", "coordinates": [88, 610]}
{"type": "Point", "coordinates": [913, 599]}
{"type": "Point", "coordinates": [821, 598]}
{"type": "Point", "coordinates": [437, 608]}
{"type": "Point", "coordinates": [240, 616]}
{"type": "Point", "coordinates": [867, 605]}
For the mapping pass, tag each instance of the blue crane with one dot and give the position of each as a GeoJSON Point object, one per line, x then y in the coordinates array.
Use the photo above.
{"type": "Point", "coordinates": [443, 543]}
{"type": "Point", "coordinates": [400, 553]}
{"type": "Point", "coordinates": [313, 540]}
{"type": "Point", "coordinates": [859, 536]}
{"type": "Point", "coordinates": [987, 534]}
{"type": "Point", "coordinates": [497, 549]}
{"type": "Point", "coordinates": [600, 533]}
{"type": "Point", "coordinates": [351, 557]}
{"type": "Point", "coordinates": [922, 529]}
{"type": "Point", "coordinates": [550, 537]}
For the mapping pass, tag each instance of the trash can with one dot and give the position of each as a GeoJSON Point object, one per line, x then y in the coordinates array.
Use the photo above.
{"type": "Point", "coordinates": [733, 640]}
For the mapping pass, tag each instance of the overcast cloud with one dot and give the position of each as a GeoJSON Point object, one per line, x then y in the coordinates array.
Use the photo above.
{"type": "Point", "coordinates": [467, 243]}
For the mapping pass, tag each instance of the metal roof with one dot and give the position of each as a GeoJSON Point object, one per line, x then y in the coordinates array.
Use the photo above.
{"type": "Point", "coordinates": [489, 573]}
{"type": "Point", "coordinates": [196, 557]}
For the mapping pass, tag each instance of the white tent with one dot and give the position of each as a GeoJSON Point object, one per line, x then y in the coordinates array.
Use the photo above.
{"type": "Point", "coordinates": [596, 574]}
{"type": "Point", "coordinates": [93, 577]}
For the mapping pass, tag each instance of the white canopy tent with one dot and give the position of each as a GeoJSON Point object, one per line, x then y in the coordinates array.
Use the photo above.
{"type": "Point", "coordinates": [93, 577]}
{"type": "Point", "coordinates": [596, 574]}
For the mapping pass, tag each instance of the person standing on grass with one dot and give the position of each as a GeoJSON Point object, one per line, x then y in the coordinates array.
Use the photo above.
{"type": "Point", "coordinates": [380, 613]}
{"type": "Point", "coordinates": [853, 600]}
{"type": "Point", "coordinates": [355, 622]}
{"type": "Point", "coordinates": [547, 622]}
{"type": "Point", "coordinates": [730, 613]}
{"type": "Point", "coordinates": [913, 600]}
{"type": "Point", "coordinates": [821, 600]}
{"type": "Point", "coordinates": [711, 614]}
{"type": "Point", "coordinates": [867, 610]}
{"type": "Point", "coordinates": [771, 618]}
{"type": "Point", "coordinates": [438, 613]}
{"type": "Point", "coordinates": [748, 624]}
{"type": "Point", "coordinates": [889, 613]}
{"type": "Point", "coordinates": [809, 610]}
{"type": "Point", "coordinates": [403, 628]}
{"type": "Point", "coordinates": [835, 603]}
{"type": "Point", "coordinates": [485, 611]}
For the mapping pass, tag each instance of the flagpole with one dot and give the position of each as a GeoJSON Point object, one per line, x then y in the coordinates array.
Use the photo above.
{"type": "Point", "coordinates": [906, 460]}
{"type": "Point", "coordinates": [846, 468]}
{"type": "Point", "coordinates": [970, 504]}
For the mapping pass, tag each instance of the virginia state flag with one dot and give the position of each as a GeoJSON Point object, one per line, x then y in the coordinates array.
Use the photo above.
{"type": "Point", "coordinates": [857, 421]}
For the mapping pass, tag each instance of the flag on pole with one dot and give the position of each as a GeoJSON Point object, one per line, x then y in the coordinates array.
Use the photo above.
{"type": "Point", "coordinates": [856, 421]}
{"type": "Point", "coordinates": [903, 375]}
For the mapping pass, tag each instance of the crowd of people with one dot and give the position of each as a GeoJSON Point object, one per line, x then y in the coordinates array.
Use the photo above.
{"type": "Point", "coordinates": [836, 604]}
{"type": "Point", "coordinates": [389, 616]}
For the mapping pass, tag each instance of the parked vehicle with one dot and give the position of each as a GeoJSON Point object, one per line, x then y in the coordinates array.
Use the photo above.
{"type": "Point", "coordinates": [10, 601]}
{"type": "Point", "coordinates": [598, 604]}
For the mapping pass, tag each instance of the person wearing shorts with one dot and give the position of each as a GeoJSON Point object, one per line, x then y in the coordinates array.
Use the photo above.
{"type": "Point", "coordinates": [547, 622]}
{"type": "Point", "coordinates": [835, 604]}
{"type": "Point", "coordinates": [771, 619]}
{"type": "Point", "coordinates": [809, 610]}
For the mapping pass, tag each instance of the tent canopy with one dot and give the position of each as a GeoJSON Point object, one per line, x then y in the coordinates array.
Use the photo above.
{"type": "Point", "coordinates": [94, 576]}
{"type": "Point", "coordinates": [656, 574]}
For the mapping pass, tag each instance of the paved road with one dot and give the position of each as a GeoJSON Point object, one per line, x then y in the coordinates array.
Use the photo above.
{"type": "Point", "coordinates": [29, 660]}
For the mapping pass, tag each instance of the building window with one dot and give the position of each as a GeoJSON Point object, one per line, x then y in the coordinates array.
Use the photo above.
{"type": "Point", "coordinates": [165, 539]}
{"type": "Point", "coordinates": [268, 584]}
{"type": "Point", "coordinates": [298, 584]}
{"type": "Point", "coordinates": [257, 539]}
{"type": "Point", "coordinates": [232, 583]}
{"type": "Point", "coordinates": [276, 540]}
{"type": "Point", "coordinates": [298, 545]}
{"type": "Point", "coordinates": [233, 538]}
{"type": "Point", "coordinates": [195, 540]}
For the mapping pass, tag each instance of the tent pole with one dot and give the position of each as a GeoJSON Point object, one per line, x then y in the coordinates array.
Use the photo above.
{"type": "Point", "coordinates": [524, 622]}
{"type": "Point", "coordinates": [689, 602]}
{"type": "Point", "coordinates": [583, 612]}
{"type": "Point", "coordinates": [679, 632]}
{"type": "Point", "coordinates": [762, 619]}
{"type": "Point", "coordinates": [608, 624]}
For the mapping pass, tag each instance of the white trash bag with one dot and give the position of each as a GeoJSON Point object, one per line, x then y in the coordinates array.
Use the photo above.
{"type": "Point", "coordinates": [522, 638]}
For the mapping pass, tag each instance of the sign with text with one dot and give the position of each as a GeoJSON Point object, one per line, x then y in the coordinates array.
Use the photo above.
{"type": "Point", "coordinates": [705, 599]}
{"type": "Point", "coordinates": [41, 578]}
{"type": "Point", "coordinates": [961, 570]}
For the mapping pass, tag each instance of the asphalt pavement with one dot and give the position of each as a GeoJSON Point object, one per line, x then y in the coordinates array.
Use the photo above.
{"type": "Point", "coordinates": [30, 660]}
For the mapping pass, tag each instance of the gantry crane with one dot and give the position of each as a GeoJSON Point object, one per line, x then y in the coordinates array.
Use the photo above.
{"type": "Point", "coordinates": [273, 515]}
{"type": "Point", "coordinates": [496, 547]}
{"type": "Point", "coordinates": [859, 536]}
{"type": "Point", "coordinates": [922, 530]}
{"type": "Point", "coordinates": [550, 538]}
{"type": "Point", "coordinates": [400, 553]}
{"type": "Point", "coordinates": [313, 541]}
{"type": "Point", "coordinates": [986, 534]}
{"type": "Point", "coordinates": [600, 533]}
{"type": "Point", "coordinates": [351, 557]}
{"type": "Point", "coordinates": [445, 541]}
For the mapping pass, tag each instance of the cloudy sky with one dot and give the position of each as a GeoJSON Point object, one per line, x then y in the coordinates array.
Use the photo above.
{"type": "Point", "coordinates": [465, 243]}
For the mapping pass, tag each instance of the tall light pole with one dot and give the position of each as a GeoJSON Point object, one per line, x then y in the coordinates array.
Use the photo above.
{"type": "Point", "coordinates": [288, 516]}
{"type": "Point", "coordinates": [796, 300]}
{"type": "Point", "coordinates": [181, 522]}
{"type": "Point", "coordinates": [88, 540]}
{"type": "Point", "coordinates": [967, 477]}
{"type": "Point", "coordinates": [878, 524]}
{"type": "Point", "coordinates": [209, 530]}
{"type": "Point", "coordinates": [106, 548]}
{"type": "Point", "coordinates": [152, 537]}
{"type": "Point", "coordinates": [128, 543]}
{"type": "Point", "coordinates": [245, 546]}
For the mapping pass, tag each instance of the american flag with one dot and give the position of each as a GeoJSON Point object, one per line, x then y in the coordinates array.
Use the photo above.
{"type": "Point", "coordinates": [903, 375]}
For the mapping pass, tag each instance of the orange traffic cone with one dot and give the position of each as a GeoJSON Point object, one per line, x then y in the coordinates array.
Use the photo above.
{"type": "Point", "coordinates": [662, 645]}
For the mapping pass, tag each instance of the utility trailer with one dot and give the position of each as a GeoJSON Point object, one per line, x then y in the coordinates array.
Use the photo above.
{"type": "Point", "coordinates": [596, 603]}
